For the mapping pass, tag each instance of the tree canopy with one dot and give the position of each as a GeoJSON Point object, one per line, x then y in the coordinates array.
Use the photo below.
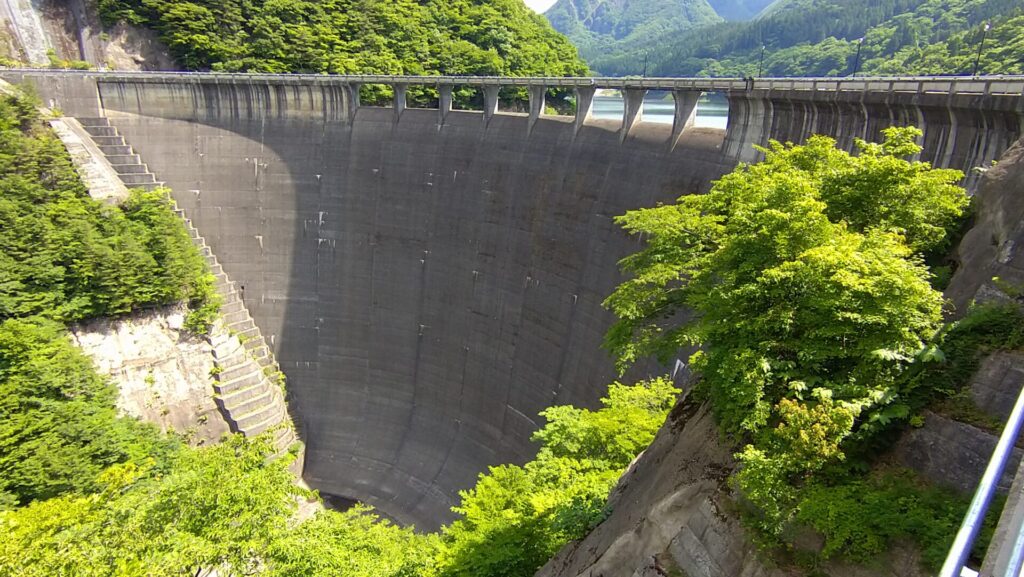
{"type": "Point", "coordinates": [451, 37]}
{"type": "Point", "coordinates": [802, 281]}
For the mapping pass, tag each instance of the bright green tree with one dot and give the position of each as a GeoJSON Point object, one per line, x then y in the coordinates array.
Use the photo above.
{"type": "Point", "coordinates": [216, 508]}
{"type": "Point", "coordinates": [801, 280]}
{"type": "Point", "coordinates": [355, 543]}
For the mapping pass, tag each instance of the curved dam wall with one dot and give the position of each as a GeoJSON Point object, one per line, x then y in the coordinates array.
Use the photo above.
{"type": "Point", "coordinates": [430, 280]}
{"type": "Point", "coordinates": [428, 288]}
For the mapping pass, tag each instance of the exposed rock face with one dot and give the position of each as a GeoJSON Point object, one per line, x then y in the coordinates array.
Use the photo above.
{"type": "Point", "coordinates": [673, 514]}
{"type": "Point", "coordinates": [161, 371]}
{"type": "Point", "coordinates": [992, 248]}
{"type": "Point", "coordinates": [669, 512]}
{"type": "Point", "coordinates": [994, 389]}
{"type": "Point", "coordinates": [951, 453]}
{"type": "Point", "coordinates": [73, 31]}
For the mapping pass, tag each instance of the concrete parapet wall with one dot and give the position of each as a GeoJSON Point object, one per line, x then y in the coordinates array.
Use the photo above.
{"type": "Point", "coordinates": [968, 122]}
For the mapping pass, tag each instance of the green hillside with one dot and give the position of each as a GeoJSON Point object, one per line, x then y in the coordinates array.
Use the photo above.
{"type": "Point", "coordinates": [821, 38]}
{"type": "Point", "coordinates": [355, 36]}
{"type": "Point", "coordinates": [606, 28]}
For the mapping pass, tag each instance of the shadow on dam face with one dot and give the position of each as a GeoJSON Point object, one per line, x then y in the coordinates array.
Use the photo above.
{"type": "Point", "coordinates": [428, 288]}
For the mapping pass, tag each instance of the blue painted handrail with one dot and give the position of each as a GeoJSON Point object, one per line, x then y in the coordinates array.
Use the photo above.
{"type": "Point", "coordinates": [975, 516]}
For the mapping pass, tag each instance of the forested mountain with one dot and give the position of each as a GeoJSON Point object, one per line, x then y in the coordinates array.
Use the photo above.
{"type": "Point", "coordinates": [739, 9]}
{"type": "Point", "coordinates": [821, 38]}
{"type": "Point", "coordinates": [600, 28]}
{"type": "Point", "coordinates": [354, 36]}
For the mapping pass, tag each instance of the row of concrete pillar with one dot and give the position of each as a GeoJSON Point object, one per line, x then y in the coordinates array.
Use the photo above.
{"type": "Point", "coordinates": [685, 103]}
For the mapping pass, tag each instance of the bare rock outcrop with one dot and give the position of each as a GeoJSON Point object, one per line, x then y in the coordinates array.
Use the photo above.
{"type": "Point", "coordinates": [72, 30]}
{"type": "Point", "coordinates": [669, 512]}
{"type": "Point", "coordinates": [994, 246]}
{"type": "Point", "coordinates": [162, 372]}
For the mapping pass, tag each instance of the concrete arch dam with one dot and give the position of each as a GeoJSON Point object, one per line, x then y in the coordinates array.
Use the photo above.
{"type": "Point", "coordinates": [430, 280]}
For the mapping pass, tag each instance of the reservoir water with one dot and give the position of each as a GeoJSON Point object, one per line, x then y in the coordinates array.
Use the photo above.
{"type": "Point", "coordinates": [712, 109]}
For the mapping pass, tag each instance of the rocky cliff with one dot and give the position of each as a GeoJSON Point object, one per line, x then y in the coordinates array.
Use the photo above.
{"type": "Point", "coordinates": [70, 30]}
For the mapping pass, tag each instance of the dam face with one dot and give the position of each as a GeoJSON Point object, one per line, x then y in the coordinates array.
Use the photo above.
{"type": "Point", "coordinates": [431, 280]}
{"type": "Point", "coordinates": [428, 289]}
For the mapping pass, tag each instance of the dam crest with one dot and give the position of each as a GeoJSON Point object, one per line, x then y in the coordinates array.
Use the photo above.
{"type": "Point", "coordinates": [431, 279]}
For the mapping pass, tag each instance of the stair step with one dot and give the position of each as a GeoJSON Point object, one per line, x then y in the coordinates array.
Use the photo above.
{"type": "Point", "coordinates": [231, 307]}
{"type": "Point", "coordinates": [133, 179]}
{"type": "Point", "coordinates": [270, 411]}
{"type": "Point", "coordinates": [242, 395]}
{"type": "Point", "coordinates": [236, 317]}
{"type": "Point", "coordinates": [115, 151]}
{"type": "Point", "coordinates": [130, 168]}
{"type": "Point", "coordinates": [252, 404]}
{"type": "Point", "coordinates": [250, 334]}
{"type": "Point", "coordinates": [259, 351]}
{"type": "Point", "coordinates": [254, 343]}
{"type": "Point", "coordinates": [267, 361]}
{"type": "Point", "coordinates": [236, 366]}
{"type": "Point", "coordinates": [148, 185]}
{"type": "Point", "coordinates": [88, 121]}
{"type": "Point", "coordinates": [123, 158]}
{"type": "Point", "coordinates": [239, 369]}
{"type": "Point", "coordinates": [109, 140]}
{"type": "Point", "coordinates": [100, 130]}
{"type": "Point", "coordinates": [243, 326]}
{"type": "Point", "coordinates": [225, 388]}
{"type": "Point", "coordinates": [224, 344]}
{"type": "Point", "coordinates": [264, 426]}
{"type": "Point", "coordinates": [283, 441]}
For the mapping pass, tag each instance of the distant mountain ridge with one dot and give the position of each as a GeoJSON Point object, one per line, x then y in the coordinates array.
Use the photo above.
{"type": "Point", "coordinates": [602, 29]}
{"type": "Point", "coordinates": [806, 38]}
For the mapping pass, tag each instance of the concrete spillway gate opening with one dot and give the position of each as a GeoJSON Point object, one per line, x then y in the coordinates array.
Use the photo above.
{"type": "Point", "coordinates": [377, 95]}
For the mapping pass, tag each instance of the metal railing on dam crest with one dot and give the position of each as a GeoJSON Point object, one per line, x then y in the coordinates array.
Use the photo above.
{"type": "Point", "coordinates": [967, 121]}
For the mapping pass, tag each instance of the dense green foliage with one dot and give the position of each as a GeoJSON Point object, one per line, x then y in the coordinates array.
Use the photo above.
{"type": "Point", "coordinates": [217, 507]}
{"type": "Point", "coordinates": [58, 426]}
{"type": "Point", "coordinates": [862, 517]}
{"type": "Point", "coordinates": [516, 518]}
{"type": "Point", "coordinates": [65, 257]}
{"type": "Point", "coordinates": [810, 303]}
{"type": "Point", "coordinates": [821, 38]}
{"type": "Point", "coordinates": [229, 508]}
{"type": "Point", "coordinates": [455, 37]}
{"type": "Point", "coordinates": [68, 257]}
{"type": "Point", "coordinates": [351, 544]}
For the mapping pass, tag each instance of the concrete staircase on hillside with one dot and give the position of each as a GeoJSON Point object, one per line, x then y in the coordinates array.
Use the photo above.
{"type": "Point", "coordinates": [247, 389]}
{"type": "Point", "coordinates": [129, 166]}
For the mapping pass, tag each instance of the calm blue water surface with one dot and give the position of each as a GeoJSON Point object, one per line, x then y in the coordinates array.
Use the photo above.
{"type": "Point", "coordinates": [712, 110]}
